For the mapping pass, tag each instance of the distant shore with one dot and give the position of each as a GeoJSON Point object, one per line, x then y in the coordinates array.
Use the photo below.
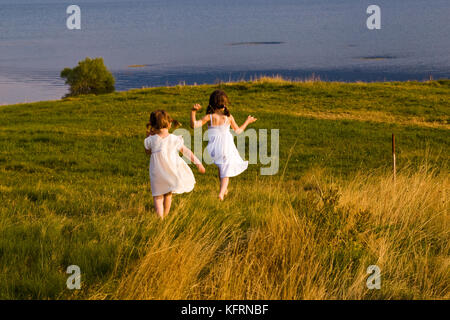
{"type": "Point", "coordinates": [137, 76]}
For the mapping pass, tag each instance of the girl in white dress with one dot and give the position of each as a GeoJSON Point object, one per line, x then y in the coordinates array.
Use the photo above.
{"type": "Point", "coordinates": [221, 145]}
{"type": "Point", "coordinates": [169, 173]}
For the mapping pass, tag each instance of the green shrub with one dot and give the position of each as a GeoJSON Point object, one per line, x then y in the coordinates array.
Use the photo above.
{"type": "Point", "coordinates": [90, 76]}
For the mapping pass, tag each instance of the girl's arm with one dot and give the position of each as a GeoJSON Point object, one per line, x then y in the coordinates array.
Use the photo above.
{"type": "Point", "coordinates": [189, 154]}
{"type": "Point", "coordinates": [241, 129]}
{"type": "Point", "coordinates": [194, 122]}
{"type": "Point", "coordinates": [149, 132]}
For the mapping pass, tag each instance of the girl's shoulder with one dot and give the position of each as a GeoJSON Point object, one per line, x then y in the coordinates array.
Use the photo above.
{"type": "Point", "coordinates": [151, 137]}
{"type": "Point", "coordinates": [148, 142]}
{"type": "Point", "coordinates": [171, 138]}
{"type": "Point", "coordinates": [176, 141]}
{"type": "Point", "coordinates": [219, 118]}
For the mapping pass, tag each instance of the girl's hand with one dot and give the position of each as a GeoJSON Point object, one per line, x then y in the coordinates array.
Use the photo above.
{"type": "Point", "coordinates": [196, 107]}
{"type": "Point", "coordinates": [251, 119]}
{"type": "Point", "coordinates": [201, 168]}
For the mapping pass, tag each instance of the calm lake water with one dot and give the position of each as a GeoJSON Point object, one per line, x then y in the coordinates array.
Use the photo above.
{"type": "Point", "coordinates": [204, 41]}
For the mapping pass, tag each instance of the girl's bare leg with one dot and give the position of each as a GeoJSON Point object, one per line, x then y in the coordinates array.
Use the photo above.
{"type": "Point", "coordinates": [158, 201]}
{"type": "Point", "coordinates": [223, 187]}
{"type": "Point", "coordinates": [220, 180]}
{"type": "Point", "coordinates": [167, 203]}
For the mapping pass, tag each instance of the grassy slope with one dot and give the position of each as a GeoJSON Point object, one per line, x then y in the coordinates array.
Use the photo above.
{"type": "Point", "coordinates": [74, 190]}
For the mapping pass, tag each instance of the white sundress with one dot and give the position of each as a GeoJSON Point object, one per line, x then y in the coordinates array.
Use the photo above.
{"type": "Point", "coordinates": [168, 171]}
{"type": "Point", "coordinates": [223, 151]}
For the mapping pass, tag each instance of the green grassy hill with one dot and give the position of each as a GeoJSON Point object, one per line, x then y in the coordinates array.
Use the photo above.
{"type": "Point", "coordinates": [74, 190]}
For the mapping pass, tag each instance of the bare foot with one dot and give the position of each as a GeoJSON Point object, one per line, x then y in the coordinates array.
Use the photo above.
{"type": "Point", "coordinates": [221, 197]}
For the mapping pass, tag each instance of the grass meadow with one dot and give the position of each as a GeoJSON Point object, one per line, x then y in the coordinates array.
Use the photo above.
{"type": "Point", "coordinates": [74, 190]}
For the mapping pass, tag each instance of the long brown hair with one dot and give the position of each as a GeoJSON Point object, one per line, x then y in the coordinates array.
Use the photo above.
{"type": "Point", "coordinates": [160, 119]}
{"type": "Point", "coordinates": [218, 100]}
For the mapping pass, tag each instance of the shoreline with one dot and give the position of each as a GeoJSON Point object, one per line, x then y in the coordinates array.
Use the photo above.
{"type": "Point", "coordinates": [275, 78]}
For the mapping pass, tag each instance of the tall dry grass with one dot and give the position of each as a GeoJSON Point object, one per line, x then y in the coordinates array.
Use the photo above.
{"type": "Point", "coordinates": [308, 239]}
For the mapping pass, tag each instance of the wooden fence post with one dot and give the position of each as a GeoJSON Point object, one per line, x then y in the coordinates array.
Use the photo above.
{"type": "Point", "coordinates": [393, 159]}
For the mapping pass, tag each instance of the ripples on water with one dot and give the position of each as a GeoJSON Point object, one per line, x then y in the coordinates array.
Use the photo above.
{"type": "Point", "coordinates": [167, 42]}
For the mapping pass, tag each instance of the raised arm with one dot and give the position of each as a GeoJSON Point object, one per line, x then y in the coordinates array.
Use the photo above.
{"type": "Point", "coordinates": [241, 129]}
{"type": "Point", "coordinates": [191, 156]}
{"type": "Point", "coordinates": [194, 122]}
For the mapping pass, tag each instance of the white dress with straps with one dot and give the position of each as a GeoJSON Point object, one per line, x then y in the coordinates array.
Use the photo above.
{"type": "Point", "coordinates": [223, 151]}
{"type": "Point", "coordinates": [168, 171]}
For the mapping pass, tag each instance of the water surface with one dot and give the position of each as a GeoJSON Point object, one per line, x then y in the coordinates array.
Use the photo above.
{"type": "Point", "coordinates": [165, 42]}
